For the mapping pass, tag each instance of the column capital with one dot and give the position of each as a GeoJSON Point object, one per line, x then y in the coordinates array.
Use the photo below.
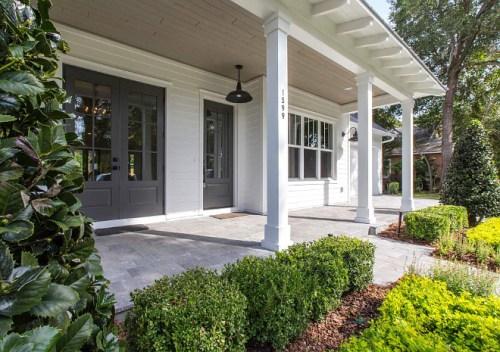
{"type": "Point", "coordinates": [364, 78]}
{"type": "Point", "coordinates": [277, 21]}
{"type": "Point", "coordinates": [408, 103]}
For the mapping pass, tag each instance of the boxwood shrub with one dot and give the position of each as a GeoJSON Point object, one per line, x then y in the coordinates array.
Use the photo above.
{"type": "Point", "coordinates": [457, 215]}
{"type": "Point", "coordinates": [195, 311]}
{"type": "Point", "coordinates": [426, 225]}
{"type": "Point", "coordinates": [279, 298]}
{"type": "Point", "coordinates": [421, 314]}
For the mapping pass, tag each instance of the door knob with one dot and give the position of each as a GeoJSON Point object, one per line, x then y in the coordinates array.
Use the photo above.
{"type": "Point", "coordinates": [115, 159]}
{"type": "Point", "coordinates": [116, 167]}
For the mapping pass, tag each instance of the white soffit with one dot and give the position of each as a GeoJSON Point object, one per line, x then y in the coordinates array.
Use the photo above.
{"type": "Point", "coordinates": [358, 26]}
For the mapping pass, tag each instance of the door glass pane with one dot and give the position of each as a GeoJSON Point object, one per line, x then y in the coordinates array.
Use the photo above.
{"type": "Point", "coordinates": [92, 125]}
{"type": "Point", "coordinates": [293, 162]}
{"type": "Point", "coordinates": [310, 163]}
{"type": "Point", "coordinates": [134, 166]}
{"type": "Point", "coordinates": [134, 128]}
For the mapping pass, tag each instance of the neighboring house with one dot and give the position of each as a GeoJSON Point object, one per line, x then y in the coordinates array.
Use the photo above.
{"type": "Point", "coordinates": [427, 149]}
{"type": "Point", "coordinates": [149, 81]}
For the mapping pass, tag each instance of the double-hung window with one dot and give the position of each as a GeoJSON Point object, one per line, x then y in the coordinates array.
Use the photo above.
{"type": "Point", "coordinates": [310, 148]}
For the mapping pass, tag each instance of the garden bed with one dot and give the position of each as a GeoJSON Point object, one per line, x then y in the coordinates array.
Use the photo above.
{"type": "Point", "coordinates": [391, 232]}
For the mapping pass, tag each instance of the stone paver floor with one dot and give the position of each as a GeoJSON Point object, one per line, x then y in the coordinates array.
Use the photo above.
{"type": "Point", "coordinates": [135, 259]}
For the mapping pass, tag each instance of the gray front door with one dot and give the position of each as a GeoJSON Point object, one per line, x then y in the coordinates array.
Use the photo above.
{"type": "Point", "coordinates": [121, 126]}
{"type": "Point", "coordinates": [218, 156]}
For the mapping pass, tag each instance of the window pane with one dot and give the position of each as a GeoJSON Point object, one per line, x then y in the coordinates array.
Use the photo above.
{"type": "Point", "coordinates": [134, 166]}
{"type": "Point", "coordinates": [134, 128]}
{"type": "Point", "coordinates": [84, 157]}
{"type": "Point", "coordinates": [293, 162]}
{"type": "Point", "coordinates": [310, 133]}
{"type": "Point", "coordinates": [326, 164]}
{"type": "Point", "coordinates": [150, 174]}
{"type": "Point", "coordinates": [310, 163]}
{"type": "Point", "coordinates": [294, 129]}
{"type": "Point", "coordinates": [327, 135]}
{"type": "Point", "coordinates": [151, 122]}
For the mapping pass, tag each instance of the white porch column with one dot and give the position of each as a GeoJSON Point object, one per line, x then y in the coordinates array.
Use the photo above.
{"type": "Point", "coordinates": [277, 230]}
{"type": "Point", "coordinates": [407, 156]}
{"type": "Point", "coordinates": [365, 212]}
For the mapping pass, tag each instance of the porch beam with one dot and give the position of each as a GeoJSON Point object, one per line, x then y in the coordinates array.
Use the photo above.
{"type": "Point", "coordinates": [365, 212]}
{"type": "Point", "coordinates": [393, 63]}
{"type": "Point", "coordinates": [416, 78]}
{"type": "Point", "coordinates": [422, 85]}
{"type": "Point", "coordinates": [386, 52]}
{"type": "Point", "coordinates": [354, 25]}
{"type": "Point", "coordinates": [407, 71]}
{"type": "Point", "coordinates": [407, 203]}
{"type": "Point", "coordinates": [327, 6]}
{"type": "Point", "coordinates": [371, 40]}
{"type": "Point", "coordinates": [277, 229]}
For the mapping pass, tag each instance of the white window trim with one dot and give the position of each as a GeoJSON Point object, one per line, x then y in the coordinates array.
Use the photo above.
{"type": "Point", "coordinates": [320, 118]}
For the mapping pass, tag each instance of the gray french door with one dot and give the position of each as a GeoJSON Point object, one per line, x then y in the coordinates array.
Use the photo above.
{"type": "Point", "coordinates": [121, 126]}
{"type": "Point", "coordinates": [218, 155]}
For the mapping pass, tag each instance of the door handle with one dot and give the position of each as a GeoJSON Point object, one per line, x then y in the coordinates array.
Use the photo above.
{"type": "Point", "coordinates": [116, 167]}
{"type": "Point", "coordinates": [115, 159]}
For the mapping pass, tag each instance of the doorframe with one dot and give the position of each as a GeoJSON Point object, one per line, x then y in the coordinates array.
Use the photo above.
{"type": "Point", "coordinates": [138, 77]}
{"type": "Point", "coordinates": [218, 98]}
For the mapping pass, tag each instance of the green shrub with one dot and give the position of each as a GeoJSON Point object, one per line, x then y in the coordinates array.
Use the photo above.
{"type": "Point", "coordinates": [279, 300]}
{"type": "Point", "coordinates": [456, 214]}
{"type": "Point", "coordinates": [487, 232]}
{"type": "Point", "coordinates": [471, 180]}
{"type": "Point", "coordinates": [460, 278]}
{"type": "Point", "coordinates": [426, 225]}
{"type": "Point", "coordinates": [195, 311]}
{"type": "Point", "coordinates": [53, 294]}
{"type": "Point", "coordinates": [326, 269]}
{"type": "Point", "coordinates": [422, 314]}
{"type": "Point", "coordinates": [393, 187]}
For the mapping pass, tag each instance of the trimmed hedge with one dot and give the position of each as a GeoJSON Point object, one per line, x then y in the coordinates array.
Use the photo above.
{"type": "Point", "coordinates": [435, 222]}
{"type": "Point", "coordinates": [393, 187]}
{"type": "Point", "coordinates": [300, 284]}
{"type": "Point", "coordinates": [457, 215]}
{"type": "Point", "coordinates": [426, 225]}
{"type": "Point", "coordinates": [279, 300]}
{"type": "Point", "coordinates": [421, 314]}
{"type": "Point", "coordinates": [487, 232]}
{"type": "Point", "coordinates": [194, 311]}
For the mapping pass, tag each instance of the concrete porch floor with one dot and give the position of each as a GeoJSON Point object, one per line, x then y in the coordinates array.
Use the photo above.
{"type": "Point", "coordinates": [135, 259]}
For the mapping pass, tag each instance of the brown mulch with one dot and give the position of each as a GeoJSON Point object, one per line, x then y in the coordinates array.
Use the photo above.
{"type": "Point", "coordinates": [468, 258]}
{"type": "Point", "coordinates": [354, 314]}
{"type": "Point", "coordinates": [392, 232]}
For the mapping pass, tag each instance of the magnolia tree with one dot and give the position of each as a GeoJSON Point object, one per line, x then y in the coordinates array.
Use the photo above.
{"type": "Point", "coordinates": [53, 296]}
{"type": "Point", "coordinates": [472, 180]}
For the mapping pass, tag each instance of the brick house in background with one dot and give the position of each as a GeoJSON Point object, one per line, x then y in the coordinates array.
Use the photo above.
{"type": "Point", "coordinates": [428, 160]}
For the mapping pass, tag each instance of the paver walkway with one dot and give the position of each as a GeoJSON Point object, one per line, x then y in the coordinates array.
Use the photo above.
{"type": "Point", "coordinates": [135, 259]}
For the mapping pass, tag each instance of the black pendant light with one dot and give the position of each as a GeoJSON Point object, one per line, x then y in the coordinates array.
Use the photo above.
{"type": "Point", "coordinates": [239, 95]}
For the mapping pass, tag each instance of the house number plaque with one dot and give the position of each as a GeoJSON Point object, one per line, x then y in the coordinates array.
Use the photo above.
{"type": "Point", "coordinates": [283, 104]}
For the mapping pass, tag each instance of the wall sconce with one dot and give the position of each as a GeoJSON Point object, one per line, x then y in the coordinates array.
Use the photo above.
{"type": "Point", "coordinates": [353, 133]}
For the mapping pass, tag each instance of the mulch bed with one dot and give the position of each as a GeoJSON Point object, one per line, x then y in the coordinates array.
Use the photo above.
{"type": "Point", "coordinates": [468, 258]}
{"type": "Point", "coordinates": [392, 232]}
{"type": "Point", "coordinates": [354, 314]}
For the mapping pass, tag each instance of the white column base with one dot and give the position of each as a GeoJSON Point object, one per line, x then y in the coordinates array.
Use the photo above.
{"type": "Point", "coordinates": [276, 238]}
{"type": "Point", "coordinates": [365, 215]}
{"type": "Point", "coordinates": [407, 204]}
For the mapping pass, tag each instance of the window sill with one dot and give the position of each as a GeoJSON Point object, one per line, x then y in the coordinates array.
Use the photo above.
{"type": "Point", "coordinates": [311, 181]}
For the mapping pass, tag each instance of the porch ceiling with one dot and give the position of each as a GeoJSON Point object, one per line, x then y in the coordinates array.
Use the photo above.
{"type": "Point", "coordinates": [213, 35]}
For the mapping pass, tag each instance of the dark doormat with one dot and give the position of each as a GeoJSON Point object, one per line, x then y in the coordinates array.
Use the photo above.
{"type": "Point", "coordinates": [229, 216]}
{"type": "Point", "coordinates": [122, 229]}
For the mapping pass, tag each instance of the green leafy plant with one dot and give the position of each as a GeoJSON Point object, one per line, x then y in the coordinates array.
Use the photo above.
{"type": "Point", "coordinates": [194, 311]}
{"type": "Point", "coordinates": [456, 214]}
{"type": "Point", "coordinates": [393, 187]}
{"type": "Point", "coordinates": [426, 225]}
{"type": "Point", "coordinates": [422, 314]}
{"type": "Point", "coordinates": [488, 232]}
{"type": "Point", "coordinates": [472, 180]}
{"type": "Point", "coordinates": [53, 296]}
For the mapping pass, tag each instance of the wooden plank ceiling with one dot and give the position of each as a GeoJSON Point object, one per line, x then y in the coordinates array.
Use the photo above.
{"type": "Point", "coordinates": [213, 35]}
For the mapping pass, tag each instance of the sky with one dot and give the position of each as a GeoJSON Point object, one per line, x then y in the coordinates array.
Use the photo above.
{"type": "Point", "coordinates": [382, 8]}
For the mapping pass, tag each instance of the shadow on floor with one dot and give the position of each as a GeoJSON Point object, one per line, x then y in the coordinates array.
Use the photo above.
{"type": "Point", "coordinates": [209, 239]}
{"type": "Point", "coordinates": [320, 219]}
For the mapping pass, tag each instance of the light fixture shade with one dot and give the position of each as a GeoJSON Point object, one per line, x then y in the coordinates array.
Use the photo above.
{"type": "Point", "coordinates": [239, 96]}
{"type": "Point", "coordinates": [354, 137]}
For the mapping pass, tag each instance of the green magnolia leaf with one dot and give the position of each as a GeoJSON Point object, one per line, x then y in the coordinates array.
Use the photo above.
{"type": "Point", "coordinates": [16, 231]}
{"type": "Point", "coordinates": [28, 259]}
{"type": "Point", "coordinates": [71, 168]}
{"type": "Point", "coordinates": [16, 51]}
{"type": "Point", "coordinates": [15, 343]}
{"type": "Point", "coordinates": [77, 334]}
{"type": "Point", "coordinates": [27, 291]}
{"type": "Point", "coordinates": [5, 325]}
{"type": "Point", "coordinates": [6, 118]}
{"type": "Point", "coordinates": [20, 83]}
{"type": "Point", "coordinates": [11, 172]}
{"type": "Point", "coordinates": [7, 153]}
{"type": "Point", "coordinates": [82, 284]}
{"type": "Point", "coordinates": [43, 338]}
{"type": "Point", "coordinates": [10, 198]}
{"type": "Point", "coordinates": [45, 206]}
{"type": "Point", "coordinates": [59, 298]}
{"type": "Point", "coordinates": [6, 261]}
